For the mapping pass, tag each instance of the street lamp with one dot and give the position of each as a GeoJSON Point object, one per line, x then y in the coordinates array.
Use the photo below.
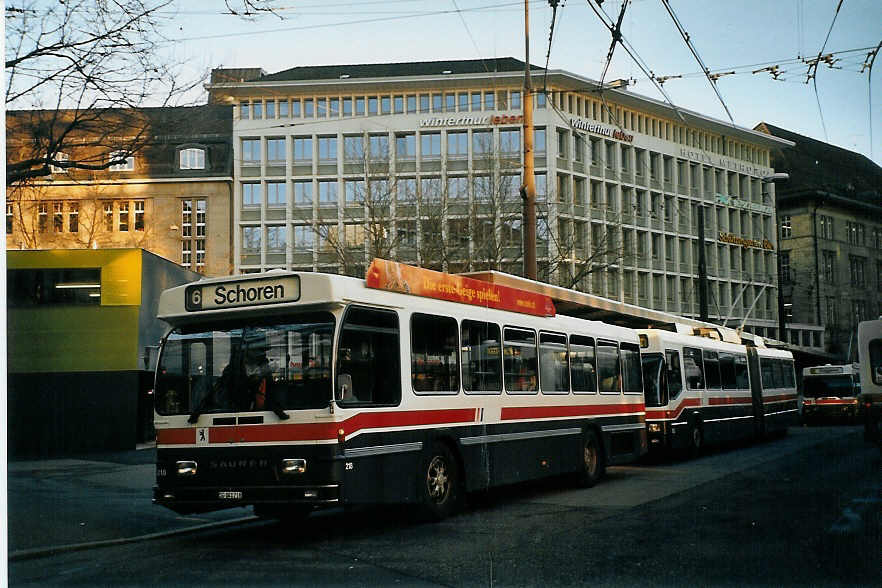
{"type": "Point", "coordinates": [778, 177]}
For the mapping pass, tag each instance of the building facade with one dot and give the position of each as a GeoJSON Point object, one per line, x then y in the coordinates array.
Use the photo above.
{"type": "Point", "coordinates": [422, 162]}
{"type": "Point", "coordinates": [830, 216]}
{"type": "Point", "coordinates": [171, 196]}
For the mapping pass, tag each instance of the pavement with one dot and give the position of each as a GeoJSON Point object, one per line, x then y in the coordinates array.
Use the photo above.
{"type": "Point", "coordinates": [57, 505]}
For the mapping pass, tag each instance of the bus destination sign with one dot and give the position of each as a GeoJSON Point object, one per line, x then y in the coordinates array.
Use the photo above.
{"type": "Point", "coordinates": [242, 293]}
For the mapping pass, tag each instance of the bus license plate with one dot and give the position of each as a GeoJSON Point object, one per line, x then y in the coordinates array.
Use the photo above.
{"type": "Point", "coordinates": [228, 495]}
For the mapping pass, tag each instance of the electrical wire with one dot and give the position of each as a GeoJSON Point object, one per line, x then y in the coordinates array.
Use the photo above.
{"type": "Point", "coordinates": [704, 68]}
{"type": "Point", "coordinates": [872, 60]}
{"type": "Point", "coordinates": [812, 72]}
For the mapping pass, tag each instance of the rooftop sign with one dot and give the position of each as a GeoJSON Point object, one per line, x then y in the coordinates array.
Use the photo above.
{"type": "Point", "coordinates": [406, 279]}
{"type": "Point", "coordinates": [755, 243]}
{"type": "Point", "coordinates": [744, 204]}
{"type": "Point", "coordinates": [473, 120]}
{"type": "Point", "coordinates": [598, 129]}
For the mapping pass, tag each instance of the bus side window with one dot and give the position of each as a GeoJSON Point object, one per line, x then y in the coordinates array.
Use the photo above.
{"type": "Point", "coordinates": [875, 353]}
{"type": "Point", "coordinates": [742, 379]}
{"type": "Point", "coordinates": [694, 368]}
{"type": "Point", "coordinates": [481, 357]}
{"type": "Point", "coordinates": [520, 361]}
{"type": "Point", "coordinates": [789, 375]}
{"type": "Point", "coordinates": [582, 371]}
{"type": "Point", "coordinates": [767, 370]}
{"type": "Point", "coordinates": [369, 355]}
{"type": "Point", "coordinates": [609, 367]}
{"type": "Point", "coordinates": [727, 371]}
{"type": "Point", "coordinates": [554, 374]}
{"type": "Point", "coordinates": [673, 375]}
{"type": "Point", "coordinates": [434, 360]}
{"type": "Point", "coordinates": [632, 375]}
{"type": "Point", "coordinates": [712, 370]}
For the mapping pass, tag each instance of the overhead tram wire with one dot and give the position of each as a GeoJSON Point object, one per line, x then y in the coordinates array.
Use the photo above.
{"type": "Point", "coordinates": [636, 58]}
{"type": "Point", "coordinates": [553, 4]}
{"type": "Point", "coordinates": [812, 73]}
{"type": "Point", "coordinates": [710, 77]}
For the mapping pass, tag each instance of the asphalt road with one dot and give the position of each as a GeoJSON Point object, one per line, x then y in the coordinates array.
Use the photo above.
{"type": "Point", "coordinates": [803, 510]}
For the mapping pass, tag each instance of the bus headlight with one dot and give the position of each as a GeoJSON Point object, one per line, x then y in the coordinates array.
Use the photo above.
{"type": "Point", "coordinates": [293, 466]}
{"type": "Point", "coordinates": [654, 427]}
{"type": "Point", "coordinates": [186, 468]}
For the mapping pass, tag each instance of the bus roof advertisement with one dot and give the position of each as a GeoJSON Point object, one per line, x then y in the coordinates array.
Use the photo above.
{"type": "Point", "coordinates": [242, 293]}
{"type": "Point", "coordinates": [406, 279]}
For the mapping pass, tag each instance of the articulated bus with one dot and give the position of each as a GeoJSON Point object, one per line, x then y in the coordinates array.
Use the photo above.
{"type": "Point", "coordinates": [292, 391]}
{"type": "Point", "coordinates": [830, 392]}
{"type": "Point", "coordinates": [700, 389]}
{"type": "Point", "coordinates": [870, 362]}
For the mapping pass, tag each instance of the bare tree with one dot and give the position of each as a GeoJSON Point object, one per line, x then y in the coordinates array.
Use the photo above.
{"type": "Point", "coordinates": [82, 68]}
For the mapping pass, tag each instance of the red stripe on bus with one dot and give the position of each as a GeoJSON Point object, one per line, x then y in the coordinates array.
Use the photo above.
{"type": "Point", "coordinates": [780, 398]}
{"type": "Point", "coordinates": [544, 412]}
{"type": "Point", "coordinates": [716, 401]}
{"type": "Point", "coordinates": [672, 413]}
{"type": "Point", "coordinates": [317, 431]}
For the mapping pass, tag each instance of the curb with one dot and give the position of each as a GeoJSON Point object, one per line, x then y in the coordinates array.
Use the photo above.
{"type": "Point", "coordinates": [38, 552]}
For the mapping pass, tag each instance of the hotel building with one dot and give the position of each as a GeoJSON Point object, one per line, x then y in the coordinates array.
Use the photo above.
{"type": "Point", "coordinates": [422, 163]}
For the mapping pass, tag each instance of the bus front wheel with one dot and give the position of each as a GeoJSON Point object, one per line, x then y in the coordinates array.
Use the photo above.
{"type": "Point", "coordinates": [438, 483]}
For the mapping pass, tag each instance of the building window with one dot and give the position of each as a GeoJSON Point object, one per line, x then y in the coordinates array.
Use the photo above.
{"type": "Point", "coordinates": [275, 151]}
{"type": "Point", "coordinates": [786, 228]}
{"type": "Point", "coordinates": [123, 216]}
{"type": "Point", "coordinates": [250, 151]}
{"type": "Point", "coordinates": [108, 216]}
{"type": "Point", "coordinates": [378, 147]}
{"type": "Point", "coordinates": [826, 223]}
{"type": "Point", "coordinates": [510, 141]}
{"type": "Point", "coordinates": [303, 194]}
{"type": "Point", "coordinates": [58, 217]}
{"type": "Point", "coordinates": [276, 239]}
{"type": "Point", "coordinates": [458, 189]}
{"type": "Point", "coordinates": [251, 239]}
{"type": "Point", "coordinates": [275, 194]}
{"type": "Point", "coordinates": [830, 311]}
{"type": "Point", "coordinates": [353, 148]}
{"type": "Point", "coordinates": [829, 266]}
{"type": "Point", "coordinates": [192, 158]}
{"type": "Point", "coordinates": [457, 145]}
{"type": "Point", "coordinates": [857, 267]}
{"type": "Point", "coordinates": [405, 147]}
{"type": "Point", "coordinates": [430, 145]}
{"type": "Point", "coordinates": [327, 148]}
{"type": "Point", "coordinates": [353, 192]}
{"type": "Point", "coordinates": [59, 157]}
{"type": "Point", "coordinates": [127, 165]}
{"type": "Point", "coordinates": [482, 143]}
{"type": "Point", "coordinates": [61, 287]}
{"type": "Point", "coordinates": [302, 149]}
{"type": "Point", "coordinates": [139, 215]}
{"type": "Point", "coordinates": [515, 96]}
{"type": "Point", "coordinates": [858, 311]}
{"type": "Point", "coordinates": [785, 266]}
{"type": "Point", "coordinates": [252, 195]}
{"type": "Point", "coordinates": [328, 193]}
{"type": "Point", "coordinates": [303, 238]}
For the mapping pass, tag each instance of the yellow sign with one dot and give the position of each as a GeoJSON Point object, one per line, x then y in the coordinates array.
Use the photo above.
{"type": "Point", "coordinates": [755, 243]}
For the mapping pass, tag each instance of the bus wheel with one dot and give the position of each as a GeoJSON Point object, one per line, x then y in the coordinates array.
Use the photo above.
{"type": "Point", "coordinates": [438, 483]}
{"type": "Point", "coordinates": [593, 461]}
{"type": "Point", "coordinates": [696, 440]}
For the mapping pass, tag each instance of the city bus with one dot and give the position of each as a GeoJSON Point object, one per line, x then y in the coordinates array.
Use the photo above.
{"type": "Point", "coordinates": [830, 392]}
{"type": "Point", "coordinates": [710, 388]}
{"type": "Point", "coordinates": [291, 391]}
{"type": "Point", "coordinates": [870, 362]}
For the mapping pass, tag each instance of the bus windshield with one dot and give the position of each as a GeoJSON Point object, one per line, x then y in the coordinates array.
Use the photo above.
{"type": "Point", "coordinates": [234, 367]}
{"type": "Point", "coordinates": [653, 383]}
{"type": "Point", "coordinates": [820, 386]}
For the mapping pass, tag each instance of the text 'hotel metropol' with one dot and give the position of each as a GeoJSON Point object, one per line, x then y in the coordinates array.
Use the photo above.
{"type": "Point", "coordinates": [422, 162]}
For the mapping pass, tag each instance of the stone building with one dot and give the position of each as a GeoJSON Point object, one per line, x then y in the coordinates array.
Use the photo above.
{"type": "Point", "coordinates": [422, 162]}
{"type": "Point", "coordinates": [171, 194]}
{"type": "Point", "coordinates": [830, 217]}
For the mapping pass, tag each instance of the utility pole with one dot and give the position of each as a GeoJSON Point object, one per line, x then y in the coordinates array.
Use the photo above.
{"type": "Point", "coordinates": [528, 188]}
{"type": "Point", "coordinates": [702, 268]}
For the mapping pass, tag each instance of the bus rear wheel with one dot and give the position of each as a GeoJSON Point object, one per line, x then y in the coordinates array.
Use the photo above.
{"type": "Point", "coordinates": [593, 461]}
{"type": "Point", "coordinates": [696, 440]}
{"type": "Point", "coordinates": [438, 483]}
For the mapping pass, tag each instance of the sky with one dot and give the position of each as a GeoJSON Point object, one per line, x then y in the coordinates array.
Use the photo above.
{"type": "Point", "coordinates": [740, 36]}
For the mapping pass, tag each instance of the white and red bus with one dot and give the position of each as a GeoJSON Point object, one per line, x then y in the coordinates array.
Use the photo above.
{"type": "Point", "coordinates": [703, 389]}
{"type": "Point", "coordinates": [830, 392]}
{"type": "Point", "coordinates": [410, 387]}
